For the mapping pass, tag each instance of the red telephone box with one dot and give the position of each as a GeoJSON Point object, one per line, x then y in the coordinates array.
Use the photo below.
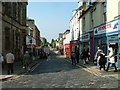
{"type": "Point", "coordinates": [67, 50]}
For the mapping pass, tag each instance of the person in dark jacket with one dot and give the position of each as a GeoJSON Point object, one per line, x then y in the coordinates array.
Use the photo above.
{"type": "Point", "coordinates": [73, 56]}
{"type": "Point", "coordinates": [88, 54]}
{"type": "Point", "coordinates": [84, 55]}
{"type": "Point", "coordinates": [77, 56]}
{"type": "Point", "coordinates": [102, 60]}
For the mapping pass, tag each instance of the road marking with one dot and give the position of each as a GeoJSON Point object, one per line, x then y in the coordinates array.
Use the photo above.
{"type": "Point", "coordinates": [112, 75]}
{"type": "Point", "coordinates": [88, 70]}
{"type": "Point", "coordinates": [93, 72]}
{"type": "Point", "coordinates": [35, 67]}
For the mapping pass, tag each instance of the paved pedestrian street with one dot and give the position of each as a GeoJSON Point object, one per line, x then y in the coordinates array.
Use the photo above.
{"type": "Point", "coordinates": [58, 72]}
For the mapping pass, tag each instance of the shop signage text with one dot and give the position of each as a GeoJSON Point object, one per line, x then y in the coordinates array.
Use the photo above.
{"type": "Point", "coordinates": [113, 39]}
{"type": "Point", "coordinates": [85, 37]}
{"type": "Point", "coordinates": [106, 28]}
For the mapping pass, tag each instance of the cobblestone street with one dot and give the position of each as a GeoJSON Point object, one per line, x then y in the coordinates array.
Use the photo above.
{"type": "Point", "coordinates": [57, 72]}
{"type": "Point", "coordinates": [51, 44]}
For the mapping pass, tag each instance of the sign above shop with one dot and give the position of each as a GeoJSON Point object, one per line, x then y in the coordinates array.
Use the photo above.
{"type": "Point", "coordinates": [107, 28]}
{"type": "Point", "coordinates": [113, 39]}
{"type": "Point", "coordinates": [85, 37]}
{"type": "Point", "coordinates": [74, 42]}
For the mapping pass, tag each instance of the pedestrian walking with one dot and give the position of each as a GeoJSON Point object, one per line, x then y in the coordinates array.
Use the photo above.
{"type": "Point", "coordinates": [10, 60]}
{"type": "Point", "coordinates": [77, 56]}
{"type": "Point", "coordinates": [84, 55]}
{"type": "Point", "coordinates": [1, 60]}
{"type": "Point", "coordinates": [102, 60]}
{"type": "Point", "coordinates": [97, 55]}
{"type": "Point", "coordinates": [26, 61]}
{"type": "Point", "coordinates": [73, 57]}
{"type": "Point", "coordinates": [111, 59]}
{"type": "Point", "coordinates": [88, 54]}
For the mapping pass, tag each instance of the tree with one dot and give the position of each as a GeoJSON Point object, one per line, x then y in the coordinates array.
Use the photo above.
{"type": "Point", "coordinates": [53, 43]}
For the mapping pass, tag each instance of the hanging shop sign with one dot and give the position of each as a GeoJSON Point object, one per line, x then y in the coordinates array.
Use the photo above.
{"type": "Point", "coordinates": [30, 41]}
{"type": "Point", "coordinates": [107, 28]}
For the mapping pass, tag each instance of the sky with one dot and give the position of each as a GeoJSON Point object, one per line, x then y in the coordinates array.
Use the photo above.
{"type": "Point", "coordinates": [51, 18]}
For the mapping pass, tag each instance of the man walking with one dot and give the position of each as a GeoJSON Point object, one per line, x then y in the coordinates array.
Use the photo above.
{"type": "Point", "coordinates": [26, 61]}
{"type": "Point", "coordinates": [10, 60]}
{"type": "Point", "coordinates": [73, 56]}
{"type": "Point", "coordinates": [97, 55]}
{"type": "Point", "coordinates": [84, 55]}
{"type": "Point", "coordinates": [77, 56]}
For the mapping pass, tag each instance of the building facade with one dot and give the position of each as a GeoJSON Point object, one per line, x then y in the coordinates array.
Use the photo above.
{"type": "Point", "coordinates": [33, 37]}
{"type": "Point", "coordinates": [98, 26]}
{"type": "Point", "coordinates": [13, 31]}
{"type": "Point", "coordinates": [35, 33]}
{"type": "Point", "coordinates": [66, 43]}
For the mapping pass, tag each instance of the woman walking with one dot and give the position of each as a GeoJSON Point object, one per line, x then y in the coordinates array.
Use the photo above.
{"type": "Point", "coordinates": [84, 55]}
{"type": "Point", "coordinates": [111, 58]}
{"type": "Point", "coordinates": [102, 60]}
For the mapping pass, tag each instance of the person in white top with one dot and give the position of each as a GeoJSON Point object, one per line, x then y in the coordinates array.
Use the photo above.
{"type": "Point", "coordinates": [111, 58]}
{"type": "Point", "coordinates": [10, 60]}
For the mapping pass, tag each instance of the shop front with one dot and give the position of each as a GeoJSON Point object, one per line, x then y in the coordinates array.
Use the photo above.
{"type": "Point", "coordinates": [113, 43]}
{"type": "Point", "coordinates": [113, 39]}
{"type": "Point", "coordinates": [100, 38]}
{"type": "Point", "coordinates": [100, 41]}
{"type": "Point", "coordinates": [85, 41]}
{"type": "Point", "coordinates": [106, 36]}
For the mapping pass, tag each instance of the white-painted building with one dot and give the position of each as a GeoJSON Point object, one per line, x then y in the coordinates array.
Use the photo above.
{"type": "Point", "coordinates": [113, 10]}
{"type": "Point", "coordinates": [66, 42]}
{"type": "Point", "coordinates": [74, 25]}
{"type": "Point", "coordinates": [66, 37]}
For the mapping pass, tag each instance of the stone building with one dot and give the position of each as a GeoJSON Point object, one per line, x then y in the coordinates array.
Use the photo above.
{"type": "Point", "coordinates": [37, 36]}
{"type": "Point", "coordinates": [35, 30]}
{"type": "Point", "coordinates": [92, 16]}
{"type": "Point", "coordinates": [13, 31]}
